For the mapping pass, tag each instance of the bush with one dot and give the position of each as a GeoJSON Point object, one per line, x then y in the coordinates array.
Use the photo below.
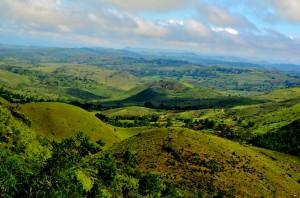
{"type": "Point", "coordinates": [126, 186]}
{"type": "Point", "coordinates": [150, 184]}
{"type": "Point", "coordinates": [130, 159]}
{"type": "Point", "coordinates": [107, 169]}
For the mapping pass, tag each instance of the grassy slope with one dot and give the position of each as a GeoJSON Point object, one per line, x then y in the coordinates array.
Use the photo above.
{"type": "Point", "coordinates": [3, 101]}
{"type": "Point", "coordinates": [112, 78]}
{"type": "Point", "coordinates": [283, 94]}
{"type": "Point", "coordinates": [125, 133]}
{"type": "Point", "coordinates": [130, 111]}
{"type": "Point", "coordinates": [247, 171]}
{"type": "Point", "coordinates": [285, 139]}
{"type": "Point", "coordinates": [282, 109]}
{"type": "Point", "coordinates": [19, 135]}
{"type": "Point", "coordinates": [12, 79]}
{"type": "Point", "coordinates": [69, 81]}
{"type": "Point", "coordinates": [61, 120]}
{"type": "Point", "coordinates": [165, 90]}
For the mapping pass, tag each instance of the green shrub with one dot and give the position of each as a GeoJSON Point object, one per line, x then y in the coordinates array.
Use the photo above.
{"type": "Point", "coordinates": [150, 184]}
{"type": "Point", "coordinates": [107, 169]}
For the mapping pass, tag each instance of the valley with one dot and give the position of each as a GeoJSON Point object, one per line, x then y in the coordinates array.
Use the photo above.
{"type": "Point", "coordinates": [117, 123]}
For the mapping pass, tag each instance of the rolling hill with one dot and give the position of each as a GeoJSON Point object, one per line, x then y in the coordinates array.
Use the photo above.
{"type": "Point", "coordinates": [170, 94]}
{"type": "Point", "coordinates": [205, 164]}
{"type": "Point", "coordinates": [57, 120]}
{"type": "Point", "coordinates": [170, 90]}
{"type": "Point", "coordinates": [13, 80]}
{"type": "Point", "coordinates": [286, 94]}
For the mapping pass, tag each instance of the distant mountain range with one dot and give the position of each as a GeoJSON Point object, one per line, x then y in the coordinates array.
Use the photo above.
{"type": "Point", "coordinates": [91, 55]}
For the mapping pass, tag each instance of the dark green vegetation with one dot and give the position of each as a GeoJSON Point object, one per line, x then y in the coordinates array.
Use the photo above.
{"type": "Point", "coordinates": [285, 139]}
{"type": "Point", "coordinates": [118, 123]}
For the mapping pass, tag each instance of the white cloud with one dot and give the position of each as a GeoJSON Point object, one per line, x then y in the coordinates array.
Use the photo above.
{"type": "Point", "coordinates": [288, 9]}
{"type": "Point", "coordinates": [185, 28]}
{"type": "Point", "coordinates": [92, 17]}
{"type": "Point", "coordinates": [174, 22]}
{"type": "Point", "coordinates": [227, 30]}
{"type": "Point", "coordinates": [196, 28]}
{"type": "Point", "coordinates": [148, 5]}
{"type": "Point", "coordinates": [118, 24]}
{"type": "Point", "coordinates": [151, 29]}
{"type": "Point", "coordinates": [42, 14]}
{"type": "Point", "coordinates": [221, 17]}
{"type": "Point", "coordinates": [64, 28]}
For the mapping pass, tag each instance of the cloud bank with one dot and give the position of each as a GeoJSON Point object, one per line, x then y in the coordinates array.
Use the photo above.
{"type": "Point", "coordinates": [220, 28]}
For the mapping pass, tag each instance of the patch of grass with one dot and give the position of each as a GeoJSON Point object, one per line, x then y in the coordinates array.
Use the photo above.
{"type": "Point", "coordinates": [283, 94]}
{"type": "Point", "coordinates": [57, 120]}
{"type": "Point", "coordinates": [12, 79]}
{"type": "Point", "coordinates": [133, 111]}
{"type": "Point", "coordinates": [3, 101]}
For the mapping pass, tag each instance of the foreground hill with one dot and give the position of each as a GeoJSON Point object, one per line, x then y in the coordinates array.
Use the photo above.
{"type": "Point", "coordinates": [204, 163]}
{"type": "Point", "coordinates": [61, 120]}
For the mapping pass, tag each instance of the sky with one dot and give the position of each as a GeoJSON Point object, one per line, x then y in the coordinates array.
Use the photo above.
{"type": "Point", "coordinates": [255, 29]}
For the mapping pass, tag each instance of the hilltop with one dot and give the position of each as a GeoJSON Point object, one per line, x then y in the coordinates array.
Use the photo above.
{"type": "Point", "coordinates": [204, 163]}
{"type": "Point", "coordinates": [57, 120]}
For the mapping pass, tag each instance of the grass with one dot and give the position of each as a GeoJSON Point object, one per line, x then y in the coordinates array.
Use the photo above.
{"type": "Point", "coordinates": [283, 94]}
{"type": "Point", "coordinates": [112, 78]}
{"type": "Point", "coordinates": [57, 120]}
{"type": "Point", "coordinates": [125, 133]}
{"type": "Point", "coordinates": [12, 79]}
{"type": "Point", "coordinates": [167, 90]}
{"type": "Point", "coordinates": [194, 159]}
{"type": "Point", "coordinates": [10, 127]}
{"type": "Point", "coordinates": [130, 111]}
{"type": "Point", "coordinates": [3, 101]}
{"type": "Point", "coordinates": [282, 109]}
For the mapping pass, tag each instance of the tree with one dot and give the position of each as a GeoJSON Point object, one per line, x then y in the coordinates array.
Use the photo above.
{"type": "Point", "coordinates": [150, 184]}
{"type": "Point", "coordinates": [102, 117]}
{"type": "Point", "coordinates": [130, 159]}
{"type": "Point", "coordinates": [107, 169]}
{"type": "Point", "coordinates": [149, 105]}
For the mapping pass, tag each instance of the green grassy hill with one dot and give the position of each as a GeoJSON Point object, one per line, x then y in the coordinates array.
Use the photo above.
{"type": "Point", "coordinates": [59, 120]}
{"type": "Point", "coordinates": [168, 90]}
{"type": "Point", "coordinates": [115, 79]}
{"type": "Point", "coordinates": [170, 93]}
{"type": "Point", "coordinates": [201, 162]}
{"type": "Point", "coordinates": [283, 94]}
{"type": "Point", "coordinates": [132, 111]}
{"type": "Point", "coordinates": [12, 79]}
{"type": "Point", "coordinates": [19, 137]}
{"type": "Point", "coordinates": [283, 108]}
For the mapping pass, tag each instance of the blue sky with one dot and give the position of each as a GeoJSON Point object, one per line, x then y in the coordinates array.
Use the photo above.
{"type": "Point", "coordinates": [256, 29]}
